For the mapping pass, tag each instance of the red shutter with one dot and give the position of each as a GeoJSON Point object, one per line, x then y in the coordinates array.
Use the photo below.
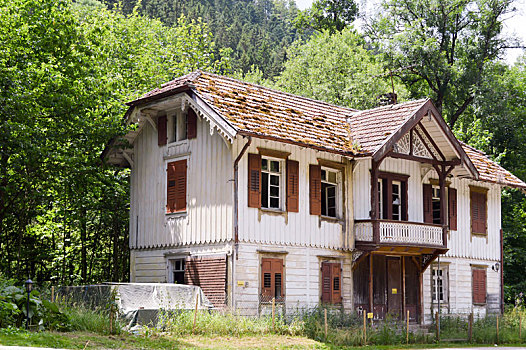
{"type": "Point", "coordinates": [278, 279]}
{"type": "Point", "coordinates": [191, 121]}
{"type": "Point", "coordinates": [161, 130]}
{"type": "Point", "coordinates": [315, 189]}
{"type": "Point", "coordinates": [180, 182]}
{"type": "Point", "coordinates": [452, 199]}
{"type": "Point", "coordinates": [254, 180]}
{"type": "Point", "coordinates": [292, 186]}
{"type": "Point", "coordinates": [171, 187]}
{"type": "Point", "coordinates": [272, 279]}
{"type": "Point", "coordinates": [336, 283]}
{"type": "Point", "coordinates": [478, 212]}
{"type": "Point", "coordinates": [479, 286]}
{"type": "Point", "coordinates": [325, 282]}
{"type": "Point", "coordinates": [428, 203]}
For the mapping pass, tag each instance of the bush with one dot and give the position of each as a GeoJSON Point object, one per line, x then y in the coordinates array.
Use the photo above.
{"type": "Point", "coordinates": [96, 321]}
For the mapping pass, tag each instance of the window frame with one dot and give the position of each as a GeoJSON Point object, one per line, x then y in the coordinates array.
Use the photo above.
{"type": "Point", "coordinates": [436, 199]}
{"type": "Point", "coordinates": [445, 284]}
{"type": "Point", "coordinates": [171, 267]}
{"type": "Point", "coordinates": [262, 297]}
{"type": "Point", "coordinates": [331, 265]}
{"type": "Point", "coordinates": [180, 212]}
{"type": "Point", "coordinates": [282, 190]}
{"type": "Point", "coordinates": [485, 270]}
{"type": "Point", "coordinates": [338, 192]}
{"type": "Point", "coordinates": [386, 179]}
{"type": "Point", "coordinates": [481, 191]}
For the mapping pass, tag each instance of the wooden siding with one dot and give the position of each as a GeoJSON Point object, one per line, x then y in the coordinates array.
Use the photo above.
{"type": "Point", "coordinates": [461, 243]}
{"type": "Point", "coordinates": [460, 289]}
{"type": "Point", "coordinates": [208, 217]}
{"type": "Point", "coordinates": [291, 228]}
{"type": "Point", "coordinates": [301, 271]}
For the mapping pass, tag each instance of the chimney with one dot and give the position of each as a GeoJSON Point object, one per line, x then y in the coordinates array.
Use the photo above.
{"type": "Point", "coordinates": [386, 99]}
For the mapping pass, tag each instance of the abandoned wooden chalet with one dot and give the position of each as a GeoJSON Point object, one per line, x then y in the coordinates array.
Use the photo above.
{"type": "Point", "coordinates": [256, 194]}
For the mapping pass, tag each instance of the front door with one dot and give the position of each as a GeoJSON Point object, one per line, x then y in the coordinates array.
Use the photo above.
{"type": "Point", "coordinates": [394, 287]}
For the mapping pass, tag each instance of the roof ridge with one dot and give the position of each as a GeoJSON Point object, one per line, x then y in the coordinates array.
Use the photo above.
{"type": "Point", "coordinates": [391, 106]}
{"type": "Point", "coordinates": [352, 110]}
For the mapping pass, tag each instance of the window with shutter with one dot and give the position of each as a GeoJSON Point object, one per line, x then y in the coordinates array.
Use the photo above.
{"type": "Point", "coordinates": [330, 282]}
{"type": "Point", "coordinates": [478, 200]}
{"type": "Point", "coordinates": [191, 124]}
{"type": "Point", "coordinates": [254, 180]}
{"type": "Point", "coordinates": [315, 189]}
{"type": "Point", "coordinates": [479, 286]}
{"type": "Point", "coordinates": [392, 190]}
{"type": "Point", "coordinates": [428, 203]}
{"type": "Point", "coordinates": [176, 186]}
{"type": "Point", "coordinates": [452, 205]}
{"type": "Point", "coordinates": [272, 279]}
{"type": "Point", "coordinates": [292, 186]}
{"type": "Point", "coordinates": [161, 130]}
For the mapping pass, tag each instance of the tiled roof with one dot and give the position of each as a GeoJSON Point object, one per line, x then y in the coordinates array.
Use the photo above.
{"type": "Point", "coordinates": [269, 113]}
{"type": "Point", "coordinates": [490, 171]}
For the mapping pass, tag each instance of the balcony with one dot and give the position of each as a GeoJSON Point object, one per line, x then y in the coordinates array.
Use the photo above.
{"type": "Point", "coordinates": [399, 233]}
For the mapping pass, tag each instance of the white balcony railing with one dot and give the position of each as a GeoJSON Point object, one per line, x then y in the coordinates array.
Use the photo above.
{"type": "Point", "coordinates": [400, 232]}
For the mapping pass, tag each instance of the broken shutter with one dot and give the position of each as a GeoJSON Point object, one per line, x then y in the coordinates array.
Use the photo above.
{"type": "Point", "coordinates": [336, 283]}
{"type": "Point", "coordinates": [428, 203]}
{"type": "Point", "coordinates": [161, 130]}
{"type": "Point", "coordinates": [315, 189]}
{"type": "Point", "coordinates": [254, 180]}
{"type": "Point", "coordinates": [176, 186]}
{"type": "Point", "coordinates": [271, 279]}
{"type": "Point", "coordinates": [478, 212]}
{"type": "Point", "coordinates": [479, 286]}
{"type": "Point", "coordinates": [452, 205]}
{"type": "Point", "coordinates": [325, 282]}
{"type": "Point", "coordinates": [292, 186]}
{"type": "Point", "coordinates": [191, 121]}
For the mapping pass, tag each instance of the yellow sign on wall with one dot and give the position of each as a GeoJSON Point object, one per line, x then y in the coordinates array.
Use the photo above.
{"type": "Point", "coordinates": [369, 315]}
{"type": "Point", "coordinates": [241, 283]}
{"type": "Point", "coordinates": [394, 291]}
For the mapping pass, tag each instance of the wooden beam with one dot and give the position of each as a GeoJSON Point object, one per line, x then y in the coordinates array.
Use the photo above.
{"type": "Point", "coordinates": [425, 145]}
{"type": "Point", "coordinates": [424, 160]}
{"type": "Point", "coordinates": [374, 200]}
{"type": "Point", "coordinates": [432, 141]}
{"type": "Point", "coordinates": [360, 259]}
{"type": "Point", "coordinates": [370, 282]}
{"type": "Point", "coordinates": [150, 120]}
{"type": "Point", "coordinates": [403, 287]}
{"type": "Point", "coordinates": [128, 158]}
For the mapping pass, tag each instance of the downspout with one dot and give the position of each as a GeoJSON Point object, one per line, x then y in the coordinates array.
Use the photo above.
{"type": "Point", "coordinates": [236, 213]}
{"type": "Point", "coordinates": [501, 272]}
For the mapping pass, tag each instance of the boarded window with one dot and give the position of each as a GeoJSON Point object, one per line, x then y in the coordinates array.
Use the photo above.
{"type": "Point", "coordinates": [452, 205]}
{"type": "Point", "coordinates": [254, 180]}
{"type": "Point", "coordinates": [176, 186]}
{"type": "Point", "coordinates": [315, 189]}
{"type": "Point", "coordinates": [478, 211]}
{"type": "Point", "coordinates": [479, 286]}
{"type": "Point", "coordinates": [330, 282]}
{"type": "Point", "coordinates": [191, 124]}
{"type": "Point", "coordinates": [209, 273]}
{"type": "Point", "coordinates": [292, 186]}
{"type": "Point", "coordinates": [161, 130]}
{"type": "Point", "coordinates": [272, 279]}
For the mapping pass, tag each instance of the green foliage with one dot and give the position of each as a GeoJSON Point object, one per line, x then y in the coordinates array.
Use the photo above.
{"type": "Point", "coordinates": [442, 49]}
{"type": "Point", "coordinates": [65, 71]}
{"type": "Point", "coordinates": [95, 321]}
{"type": "Point", "coordinates": [336, 68]}
{"type": "Point", "coordinates": [331, 15]}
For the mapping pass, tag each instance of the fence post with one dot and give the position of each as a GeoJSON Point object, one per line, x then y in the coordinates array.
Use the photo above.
{"type": "Point", "coordinates": [470, 329]}
{"type": "Point", "coordinates": [437, 321]}
{"type": "Point", "coordinates": [52, 294]}
{"type": "Point", "coordinates": [195, 311]}
{"type": "Point", "coordinates": [520, 327]}
{"type": "Point", "coordinates": [407, 329]}
{"type": "Point", "coordinates": [326, 326]}
{"type": "Point", "coordinates": [273, 314]}
{"type": "Point", "coordinates": [497, 329]}
{"type": "Point", "coordinates": [364, 329]}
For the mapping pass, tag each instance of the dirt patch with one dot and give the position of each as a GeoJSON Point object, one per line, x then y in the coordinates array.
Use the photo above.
{"type": "Point", "coordinates": [259, 342]}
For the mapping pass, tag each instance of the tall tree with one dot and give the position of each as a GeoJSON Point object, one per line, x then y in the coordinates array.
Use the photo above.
{"type": "Point", "coordinates": [441, 48]}
{"type": "Point", "coordinates": [336, 68]}
{"type": "Point", "coordinates": [331, 15]}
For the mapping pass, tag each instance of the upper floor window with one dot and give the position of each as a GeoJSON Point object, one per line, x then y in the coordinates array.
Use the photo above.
{"type": "Point", "coordinates": [435, 204]}
{"type": "Point", "coordinates": [392, 196]}
{"type": "Point", "coordinates": [478, 203]}
{"type": "Point", "coordinates": [176, 186]}
{"type": "Point", "coordinates": [432, 205]}
{"type": "Point", "coordinates": [271, 188]}
{"type": "Point", "coordinates": [329, 192]}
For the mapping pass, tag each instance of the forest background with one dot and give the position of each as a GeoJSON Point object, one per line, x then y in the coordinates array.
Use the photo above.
{"type": "Point", "coordinates": [67, 68]}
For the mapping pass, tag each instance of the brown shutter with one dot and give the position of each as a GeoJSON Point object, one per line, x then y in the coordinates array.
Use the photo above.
{"type": "Point", "coordinates": [191, 121]}
{"type": "Point", "coordinates": [452, 205]}
{"type": "Point", "coordinates": [278, 278]}
{"type": "Point", "coordinates": [325, 282]}
{"type": "Point", "coordinates": [292, 186]}
{"type": "Point", "coordinates": [404, 199]}
{"type": "Point", "coordinates": [478, 212]}
{"type": "Point", "coordinates": [266, 279]}
{"type": "Point", "coordinates": [336, 283]}
{"type": "Point", "coordinates": [171, 187]}
{"type": "Point", "coordinates": [428, 203]}
{"type": "Point", "coordinates": [254, 180]}
{"type": "Point", "coordinates": [161, 130]}
{"type": "Point", "coordinates": [180, 182]}
{"type": "Point", "coordinates": [479, 286]}
{"type": "Point", "coordinates": [315, 189]}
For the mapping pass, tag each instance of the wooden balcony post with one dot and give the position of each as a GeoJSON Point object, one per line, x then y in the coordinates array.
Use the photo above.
{"type": "Point", "coordinates": [443, 203]}
{"type": "Point", "coordinates": [374, 201]}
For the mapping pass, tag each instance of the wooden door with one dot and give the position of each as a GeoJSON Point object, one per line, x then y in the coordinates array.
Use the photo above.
{"type": "Point", "coordinates": [394, 287]}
